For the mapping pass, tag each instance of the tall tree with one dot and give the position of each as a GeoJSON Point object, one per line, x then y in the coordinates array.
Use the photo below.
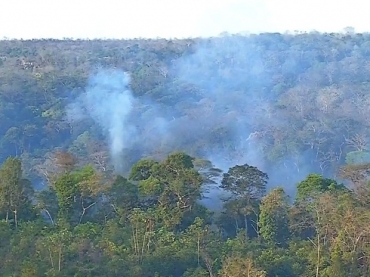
{"type": "Point", "coordinates": [314, 185]}
{"type": "Point", "coordinates": [15, 192]}
{"type": "Point", "coordinates": [123, 197]}
{"type": "Point", "coordinates": [274, 217]}
{"type": "Point", "coordinates": [240, 267]}
{"type": "Point", "coordinates": [247, 184]}
{"type": "Point", "coordinates": [173, 183]}
{"type": "Point", "coordinates": [77, 191]}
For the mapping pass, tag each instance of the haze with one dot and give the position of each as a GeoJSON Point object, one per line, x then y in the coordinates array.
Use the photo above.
{"type": "Point", "coordinates": [175, 18]}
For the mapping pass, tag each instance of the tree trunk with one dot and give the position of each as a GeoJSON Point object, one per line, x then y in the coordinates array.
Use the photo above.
{"type": "Point", "coordinates": [51, 219]}
{"type": "Point", "coordinates": [318, 255]}
{"type": "Point", "coordinates": [208, 262]}
{"type": "Point", "coordinates": [15, 219]}
{"type": "Point", "coordinates": [84, 209]}
{"type": "Point", "coordinates": [60, 258]}
{"type": "Point", "coordinates": [246, 226]}
{"type": "Point", "coordinates": [198, 250]}
{"type": "Point", "coordinates": [51, 258]}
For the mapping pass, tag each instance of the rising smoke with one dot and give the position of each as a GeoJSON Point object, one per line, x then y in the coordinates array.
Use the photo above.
{"type": "Point", "coordinates": [222, 119]}
{"type": "Point", "coordinates": [109, 102]}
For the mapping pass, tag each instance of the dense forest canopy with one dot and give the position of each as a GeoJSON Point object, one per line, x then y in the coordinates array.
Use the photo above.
{"type": "Point", "coordinates": [276, 101]}
{"type": "Point", "coordinates": [226, 156]}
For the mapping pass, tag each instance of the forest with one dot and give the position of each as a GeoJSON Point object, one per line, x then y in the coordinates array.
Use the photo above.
{"type": "Point", "coordinates": [237, 155]}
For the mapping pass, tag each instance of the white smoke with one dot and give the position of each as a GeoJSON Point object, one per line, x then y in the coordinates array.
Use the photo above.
{"type": "Point", "coordinates": [108, 101]}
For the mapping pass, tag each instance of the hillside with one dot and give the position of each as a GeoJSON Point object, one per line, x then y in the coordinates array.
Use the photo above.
{"type": "Point", "coordinates": [277, 101]}
{"type": "Point", "coordinates": [228, 156]}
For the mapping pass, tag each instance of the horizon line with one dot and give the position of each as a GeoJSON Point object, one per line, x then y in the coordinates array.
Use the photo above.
{"type": "Point", "coordinates": [345, 31]}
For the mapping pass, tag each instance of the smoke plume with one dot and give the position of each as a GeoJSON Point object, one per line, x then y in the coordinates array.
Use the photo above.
{"type": "Point", "coordinates": [219, 104]}
{"type": "Point", "coordinates": [109, 102]}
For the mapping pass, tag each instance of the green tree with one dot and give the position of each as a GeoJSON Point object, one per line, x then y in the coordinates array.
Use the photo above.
{"type": "Point", "coordinates": [173, 183]}
{"type": "Point", "coordinates": [247, 184]}
{"type": "Point", "coordinates": [142, 170]}
{"type": "Point", "coordinates": [314, 185]}
{"type": "Point", "coordinates": [240, 267]}
{"type": "Point", "coordinates": [143, 225]}
{"type": "Point", "coordinates": [47, 202]}
{"type": "Point", "coordinates": [204, 243]}
{"type": "Point", "coordinates": [54, 246]}
{"type": "Point", "coordinates": [77, 191]}
{"type": "Point", "coordinates": [15, 192]}
{"type": "Point", "coordinates": [123, 197]}
{"type": "Point", "coordinates": [274, 217]}
{"type": "Point", "coordinates": [66, 189]}
{"type": "Point", "coordinates": [279, 262]}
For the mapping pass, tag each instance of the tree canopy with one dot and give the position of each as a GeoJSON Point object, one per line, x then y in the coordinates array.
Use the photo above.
{"type": "Point", "coordinates": [226, 156]}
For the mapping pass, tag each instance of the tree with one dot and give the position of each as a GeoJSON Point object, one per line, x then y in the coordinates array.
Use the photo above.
{"type": "Point", "coordinates": [201, 240]}
{"type": "Point", "coordinates": [142, 170]}
{"type": "Point", "coordinates": [247, 184]}
{"type": "Point", "coordinates": [358, 176]}
{"type": "Point", "coordinates": [47, 202]}
{"type": "Point", "coordinates": [142, 225]}
{"type": "Point", "coordinates": [279, 262]}
{"type": "Point", "coordinates": [77, 191]}
{"type": "Point", "coordinates": [345, 223]}
{"type": "Point", "coordinates": [54, 246]}
{"type": "Point", "coordinates": [90, 188]}
{"type": "Point", "coordinates": [274, 217]}
{"type": "Point", "coordinates": [314, 185]}
{"type": "Point", "coordinates": [15, 192]}
{"type": "Point", "coordinates": [54, 164]}
{"type": "Point", "coordinates": [357, 157]}
{"type": "Point", "coordinates": [64, 161]}
{"type": "Point", "coordinates": [12, 137]}
{"type": "Point", "coordinates": [173, 183]}
{"type": "Point", "coordinates": [240, 267]}
{"type": "Point", "coordinates": [123, 197]}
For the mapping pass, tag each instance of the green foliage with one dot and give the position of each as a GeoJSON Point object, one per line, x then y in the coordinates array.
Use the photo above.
{"type": "Point", "coordinates": [66, 189]}
{"type": "Point", "coordinates": [142, 170]}
{"type": "Point", "coordinates": [173, 183]}
{"type": "Point", "coordinates": [247, 184]}
{"type": "Point", "coordinates": [90, 222]}
{"type": "Point", "coordinates": [314, 185]}
{"type": "Point", "coordinates": [151, 186]}
{"type": "Point", "coordinates": [15, 192]}
{"type": "Point", "coordinates": [240, 266]}
{"type": "Point", "coordinates": [278, 262]}
{"type": "Point", "coordinates": [123, 196]}
{"type": "Point", "coordinates": [154, 226]}
{"type": "Point", "coordinates": [274, 218]}
{"type": "Point", "coordinates": [75, 187]}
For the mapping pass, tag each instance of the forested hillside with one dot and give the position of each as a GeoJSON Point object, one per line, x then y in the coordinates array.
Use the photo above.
{"type": "Point", "coordinates": [110, 147]}
{"type": "Point", "coordinates": [280, 101]}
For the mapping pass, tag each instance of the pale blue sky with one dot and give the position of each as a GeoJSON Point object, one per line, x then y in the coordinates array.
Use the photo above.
{"type": "Point", "coordinates": [175, 18]}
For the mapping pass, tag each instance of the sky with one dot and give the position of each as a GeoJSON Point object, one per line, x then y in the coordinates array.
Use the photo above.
{"type": "Point", "coordinates": [175, 18]}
